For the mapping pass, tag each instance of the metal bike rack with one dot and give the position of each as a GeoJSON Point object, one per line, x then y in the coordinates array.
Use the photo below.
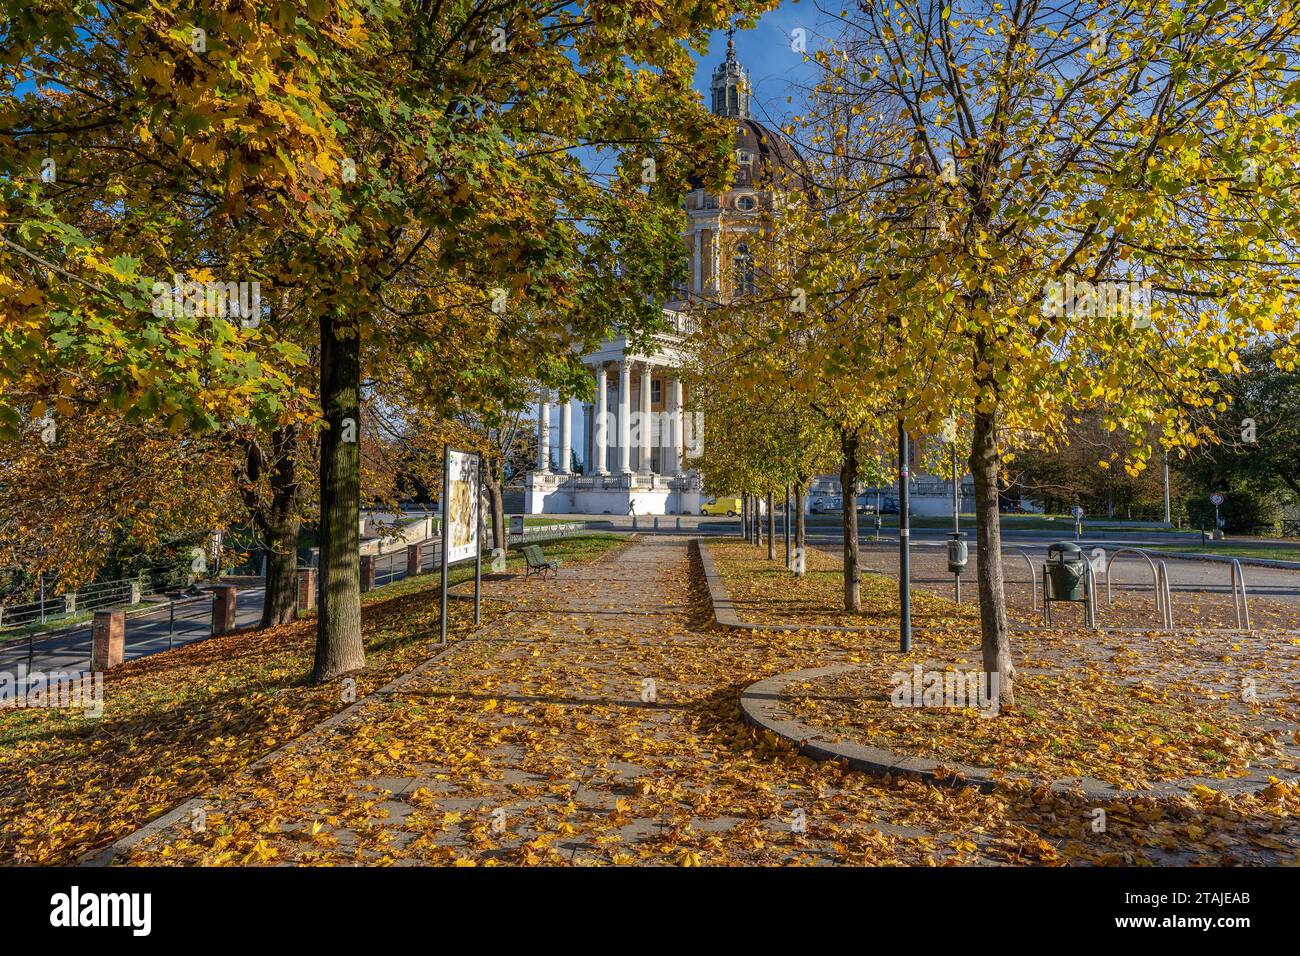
{"type": "Point", "coordinates": [1090, 608]}
{"type": "Point", "coordinates": [1164, 607]}
{"type": "Point", "coordinates": [1167, 615]}
{"type": "Point", "coordinates": [1033, 576]}
{"type": "Point", "coordinates": [1242, 610]}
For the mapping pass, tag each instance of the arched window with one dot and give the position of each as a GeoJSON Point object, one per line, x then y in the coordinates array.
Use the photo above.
{"type": "Point", "coordinates": [743, 262]}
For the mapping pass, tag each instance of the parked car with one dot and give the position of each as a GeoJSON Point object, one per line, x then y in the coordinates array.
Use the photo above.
{"type": "Point", "coordinates": [721, 506]}
{"type": "Point", "coordinates": [826, 504]}
{"type": "Point", "coordinates": [889, 506]}
{"type": "Point", "coordinates": [866, 504]}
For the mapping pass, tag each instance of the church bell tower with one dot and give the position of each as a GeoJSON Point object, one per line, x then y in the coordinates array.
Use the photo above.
{"type": "Point", "coordinates": [731, 85]}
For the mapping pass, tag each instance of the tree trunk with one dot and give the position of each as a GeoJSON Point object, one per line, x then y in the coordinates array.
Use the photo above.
{"type": "Point", "coordinates": [276, 517]}
{"type": "Point", "coordinates": [771, 526]}
{"type": "Point", "coordinates": [799, 528]}
{"type": "Point", "coordinates": [339, 648]}
{"type": "Point", "coordinates": [496, 505]}
{"type": "Point", "coordinates": [850, 443]}
{"type": "Point", "coordinates": [995, 636]}
{"type": "Point", "coordinates": [758, 521]}
{"type": "Point", "coordinates": [280, 605]}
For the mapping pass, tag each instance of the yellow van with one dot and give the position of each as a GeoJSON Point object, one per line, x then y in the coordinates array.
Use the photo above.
{"type": "Point", "coordinates": [721, 506]}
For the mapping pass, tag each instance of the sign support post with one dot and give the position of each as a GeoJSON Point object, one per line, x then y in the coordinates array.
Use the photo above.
{"type": "Point", "coordinates": [478, 544]}
{"type": "Point", "coordinates": [462, 523]}
{"type": "Point", "coordinates": [446, 535]}
{"type": "Point", "coordinates": [904, 545]}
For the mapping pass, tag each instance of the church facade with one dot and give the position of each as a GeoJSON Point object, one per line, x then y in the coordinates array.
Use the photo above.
{"type": "Point", "coordinates": [637, 438]}
{"type": "Point", "coordinates": [631, 448]}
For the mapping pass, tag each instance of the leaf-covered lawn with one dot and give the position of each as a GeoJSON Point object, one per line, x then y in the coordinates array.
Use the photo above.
{"type": "Point", "coordinates": [1126, 709]}
{"type": "Point", "coordinates": [764, 592]}
{"type": "Point", "coordinates": [177, 723]}
{"type": "Point", "coordinates": [1064, 725]}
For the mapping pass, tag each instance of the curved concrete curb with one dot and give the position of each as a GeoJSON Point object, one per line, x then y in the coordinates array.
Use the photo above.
{"type": "Point", "coordinates": [761, 705]}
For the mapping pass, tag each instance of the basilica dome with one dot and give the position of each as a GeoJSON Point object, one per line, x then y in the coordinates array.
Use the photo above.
{"type": "Point", "coordinates": [764, 158]}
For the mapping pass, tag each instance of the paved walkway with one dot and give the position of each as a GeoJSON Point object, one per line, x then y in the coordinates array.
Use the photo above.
{"type": "Point", "coordinates": [599, 723]}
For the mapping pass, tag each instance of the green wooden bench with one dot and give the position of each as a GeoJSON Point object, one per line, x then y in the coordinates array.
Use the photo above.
{"type": "Point", "coordinates": [538, 562]}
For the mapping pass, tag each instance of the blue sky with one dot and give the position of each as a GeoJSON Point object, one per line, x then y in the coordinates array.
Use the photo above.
{"type": "Point", "coordinates": [778, 75]}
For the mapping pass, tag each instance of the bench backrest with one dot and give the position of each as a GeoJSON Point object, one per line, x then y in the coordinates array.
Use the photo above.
{"type": "Point", "coordinates": [533, 554]}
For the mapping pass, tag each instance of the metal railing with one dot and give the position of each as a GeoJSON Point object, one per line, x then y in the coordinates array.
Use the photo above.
{"type": "Point", "coordinates": [1090, 586]}
{"type": "Point", "coordinates": [161, 623]}
{"type": "Point", "coordinates": [393, 566]}
{"type": "Point", "coordinates": [75, 602]}
{"type": "Point", "coordinates": [1162, 591]}
{"type": "Point", "coordinates": [546, 532]}
{"type": "Point", "coordinates": [156, 626]}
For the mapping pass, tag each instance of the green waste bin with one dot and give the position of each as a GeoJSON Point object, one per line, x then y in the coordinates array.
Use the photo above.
{"type": "Point", "coordinates": [1066, 565]}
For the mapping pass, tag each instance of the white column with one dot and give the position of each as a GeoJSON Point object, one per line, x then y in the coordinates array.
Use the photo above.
{"type": "Point", "coordinates": [624, 417]}
{"type": "Point", "coordinates": [697, 263]}
{"type": "Point", "coordinates": [588, 436]}
{"type": "Point", "coordinates": [600, 420]}
{"type": "Point", "coordinates": [566, 436]}
{"type": "Point", "coordinates": [645, 418]}
{"type": "Point", "coordinates": [544, 434]}
{"type": "Point", "coordinates": [665, 436]}
{"type": "Point", "coordinates": [679, 453]}
{"type": "Point", "coordinates": [715, 260]}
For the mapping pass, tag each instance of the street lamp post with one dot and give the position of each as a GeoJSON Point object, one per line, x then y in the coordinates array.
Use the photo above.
{"type": "Point", "coordinates": [956, 515]}
{"type": "Point", "coordinates": [1168, 517]}
{"type": "Point", "coordinates": [904, 542]}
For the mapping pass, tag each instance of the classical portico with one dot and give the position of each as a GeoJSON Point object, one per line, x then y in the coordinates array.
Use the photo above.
{"type": "Point", "coordinates": [637, 438]}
